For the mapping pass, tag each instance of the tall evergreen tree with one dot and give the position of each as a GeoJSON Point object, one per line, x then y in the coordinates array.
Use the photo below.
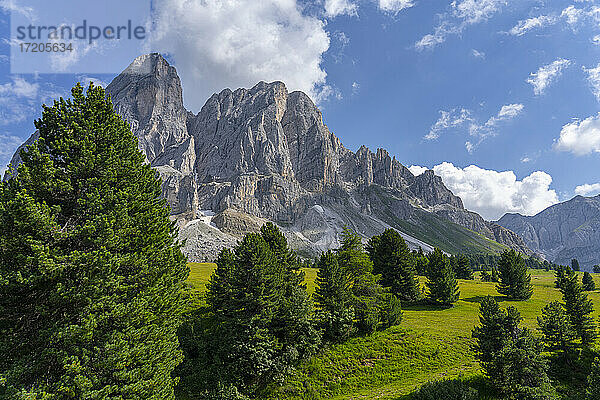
{"type": "Point", "coordinates": [560, 275]}
{"type": "Point", "coordinates": [575, 265]}
{"type": "Point", "coordinates": [90, 270]}
{"type": "Point", "coordinates": [510, 355]}
{"type": "Point", "coordinates": [515, 281]}
{"type": "Point", "coordinates": [421, 262]}
{"type": "Point", "coordinates": [257, 324]}
{"type": "Point", "coordinates": [393, 260]}
{"type": "Point", "coordinates": [442, 285]}
{"type": "Point", "coordinates": [579, 308]}
{"type": "Point", "coordinates": [554, 324]}
{"type": "Point", "coordinates": [333, 295]}
{"type": "Point", "coordinates": [588, 282]}
{"type": "Point", "coordinates": [462, 267]}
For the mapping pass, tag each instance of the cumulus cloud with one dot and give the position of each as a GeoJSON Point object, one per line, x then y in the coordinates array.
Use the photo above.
{"type": "Point", "coordinates": [417, 170]}
{"type": "Point", "coordinates": [461, 117]}
{"type": "Point", "coordinates": [333, 8]}
{"type": "Point", "coordinates": [493, 193]}
{"type": "Point", "coordinates": [587, 189]}
{"type": "Point", "coordinates": [580, 137]}
{"type": "Point", "coordinates": [238, 43]}
{"type": "Point", "coordinates": [462, 14]}
{"type": "Point", "coordinates": [395, 6]}
{"type": "Point", "coordinates": [17, 100]}
{"type": "Point", "coordinates": [593, 78]}
{"type": "Point", "coordinates": [547, 74]}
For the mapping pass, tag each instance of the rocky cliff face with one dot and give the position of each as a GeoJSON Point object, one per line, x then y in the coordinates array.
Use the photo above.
{"type": "Point", "coordinates": [265, 154]}
{"type": "Point", "coordinates": [563, 231]}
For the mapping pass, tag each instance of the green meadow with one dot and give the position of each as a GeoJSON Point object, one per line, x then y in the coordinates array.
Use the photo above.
{"type": "Point", "coordinates": [431, 343]}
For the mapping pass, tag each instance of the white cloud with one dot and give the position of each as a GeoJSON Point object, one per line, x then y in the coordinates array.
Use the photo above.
{"type": "Point", "coordinates": [395, 6]}
{"type": "Point", "coordinates": [525, 26]}
{"type": "Point", "coordinates": [596, 40]}
{"type": "Point", "coordinates": [593, 78]}
{"type": "Point", "coordinates": [547, 74]}
{"type": "Point", "coordinates": [462, 14]}
{"type": "Point", "coordinates": [333, 8]}
{"type": "Point", "coordinates": [526, 160]}
{"type": "Point", "coordinates": [457, 118]}
{"type": "Point", "coordinates": [478, 54]}
{"type": "Point", "coordinates": [580, 137]}
{"type": "Point", "coordinates": [238, 43]}
{"type": "Point", "coordinates": [449, 119]}
{"type": "Point", "coordinates": [417, 170]}
{"type": "Point", "coordinates": [355, 87]}
{"type": "Point", "coordinates": [492, 193]}
{"type": "Point", "coordinates": [17, 100]}
{"type": "Point", "coordinates": [587, 189]}
{"type": "Point", "coordinates": [13, 6]}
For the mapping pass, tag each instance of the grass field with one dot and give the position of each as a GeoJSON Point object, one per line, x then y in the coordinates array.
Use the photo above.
{"type": "Point", "coordinates": [430, 343]}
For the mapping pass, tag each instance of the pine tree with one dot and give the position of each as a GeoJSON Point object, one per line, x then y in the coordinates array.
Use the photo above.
{"type": "Point", "coordinates": [257, 323]}
{"type": "Point", "coordinates": [511, 356]}
{"type": "Point", "coordinates": [421, 262]}
{"type": "Point", "coordinates": [462, 267]}
{"type": "Point", "coordinates": [443, 287]}
{"type": "Point", "coordinates": [560, 275]}
{"type": "Point", "coordinates": [333, 296]}
{"type": "Point", "coordinates": [515, 281]}
{"type": "Point", "coordinates": [393, 260]}
{"type": "Point", "coordinates": [579, 308]}
{"type": "Point", "coordinates": [91, 274]}
{"type": "Point", "coordinates": [555, 326]}
{"type": "Point", "coordinates": [588, 282]}
{"type": "Point", "coordinates": [575, 265]}
{"type": "Point", "coordinates": [593, 381]}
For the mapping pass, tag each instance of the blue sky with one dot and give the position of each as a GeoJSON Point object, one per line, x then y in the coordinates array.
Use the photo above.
{"type": "Point", "coordinates": [500, 97]}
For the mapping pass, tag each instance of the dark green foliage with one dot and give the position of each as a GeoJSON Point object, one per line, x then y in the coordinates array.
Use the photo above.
{"type": "Point", "coordinates": [257, 324]}
{"type": "Point", "coordinates": [515, 281]}
{"type": "Point", "coordinates": [454, 389]}
{"type": "Point", "coordinates": [421, 262]}
{"type": "Point", "coordinates": [554, 324]}
{"type": "Point", "coordinates": [588, 282]}
{"type": "Point", "coordinates": [596, 269]}
{"type": "Point", "coordinates": [579, 308]}
{"type": "Point", "coordinates": [593, 381]}
{"type": "Point", "coordinates": [510, 355]}
{"type": "Point", "coordinates": [575, 265]}
{"type": "Point", "coordinates": [491, 276]}
{"type": "Point", "coordinates": [90, 271]}
{"type": "Point", "coordinates": [560, 274]}
{"type": "Point", "coordinates": [395, 263]}
{"type": "Point", "coordinates": [442, 285]}
{"type": "Point", "coordinates": [334, 298]}
{"type": "Point", "coordinates": [462, 267]}
{"type": "Point", "coordinates": [368, 296]}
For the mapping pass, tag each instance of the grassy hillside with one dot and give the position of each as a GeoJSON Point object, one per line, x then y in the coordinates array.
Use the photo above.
{"type": "Point", "coordinates": [434, 230]}
{"type": "Point", "coordinates": [430, 343]}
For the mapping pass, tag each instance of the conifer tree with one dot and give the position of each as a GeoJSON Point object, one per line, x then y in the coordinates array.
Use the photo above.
{"type": "Point", "coordinates": [515, 281]}
{"type": "Point", "coordinates": [593, 381]}
{"type": "Point", "coordinates": [575, 265]}
{"type": "Point", "coordinates": [579, 308]}
{"type": "Point", "coordinates": [91, 274]}
{"type": "Point", "coordinates": [443, 287]}
{"type": "Point", "coordinates": [560, 274]}
{"type": "Point", "coordinates": [257, 324]}
{"type": "Point", "coordinates": [395, 263]}
{"type": "Point", "coordinates": [510, 355]}
{"type": "Point", "coordinates": [588, 282]}
{"type": "Point", "coordinates": [333, 296]}
{"type": "Point", "coordinates": [462, 267]}
{"type": "Point", "coordinates": [421, 262]}
{"type": "Point", "coordinates": [554, 324]}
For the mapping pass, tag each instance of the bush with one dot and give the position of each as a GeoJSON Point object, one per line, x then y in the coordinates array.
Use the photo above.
{"type": "Point", "coordinates": [454, 389]}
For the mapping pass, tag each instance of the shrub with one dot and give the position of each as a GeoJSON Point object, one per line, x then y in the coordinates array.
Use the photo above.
{"type": "Point", "coordinates": [454, 389]}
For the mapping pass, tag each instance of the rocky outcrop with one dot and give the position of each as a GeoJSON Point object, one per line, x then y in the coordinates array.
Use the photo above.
{"type": "Point", "coordinates": [258, 154]}
{"type": "Point", "coordinates": [563, 231]}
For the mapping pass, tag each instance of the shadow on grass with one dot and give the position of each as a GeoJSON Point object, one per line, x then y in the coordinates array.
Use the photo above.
{"type": "Point", "coordinates": [479, 299]}
{"type": "Point", "coordinates": [426, 306]}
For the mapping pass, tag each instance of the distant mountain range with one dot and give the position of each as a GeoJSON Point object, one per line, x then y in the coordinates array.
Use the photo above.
{"type": "Point", "coordinates": [252, 155]}
{"type": "Point", "coordinates": [563, 231]}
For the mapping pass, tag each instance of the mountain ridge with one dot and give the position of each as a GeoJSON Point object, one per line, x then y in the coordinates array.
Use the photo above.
{"type": "Point", "coordinates": [265, 153]}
